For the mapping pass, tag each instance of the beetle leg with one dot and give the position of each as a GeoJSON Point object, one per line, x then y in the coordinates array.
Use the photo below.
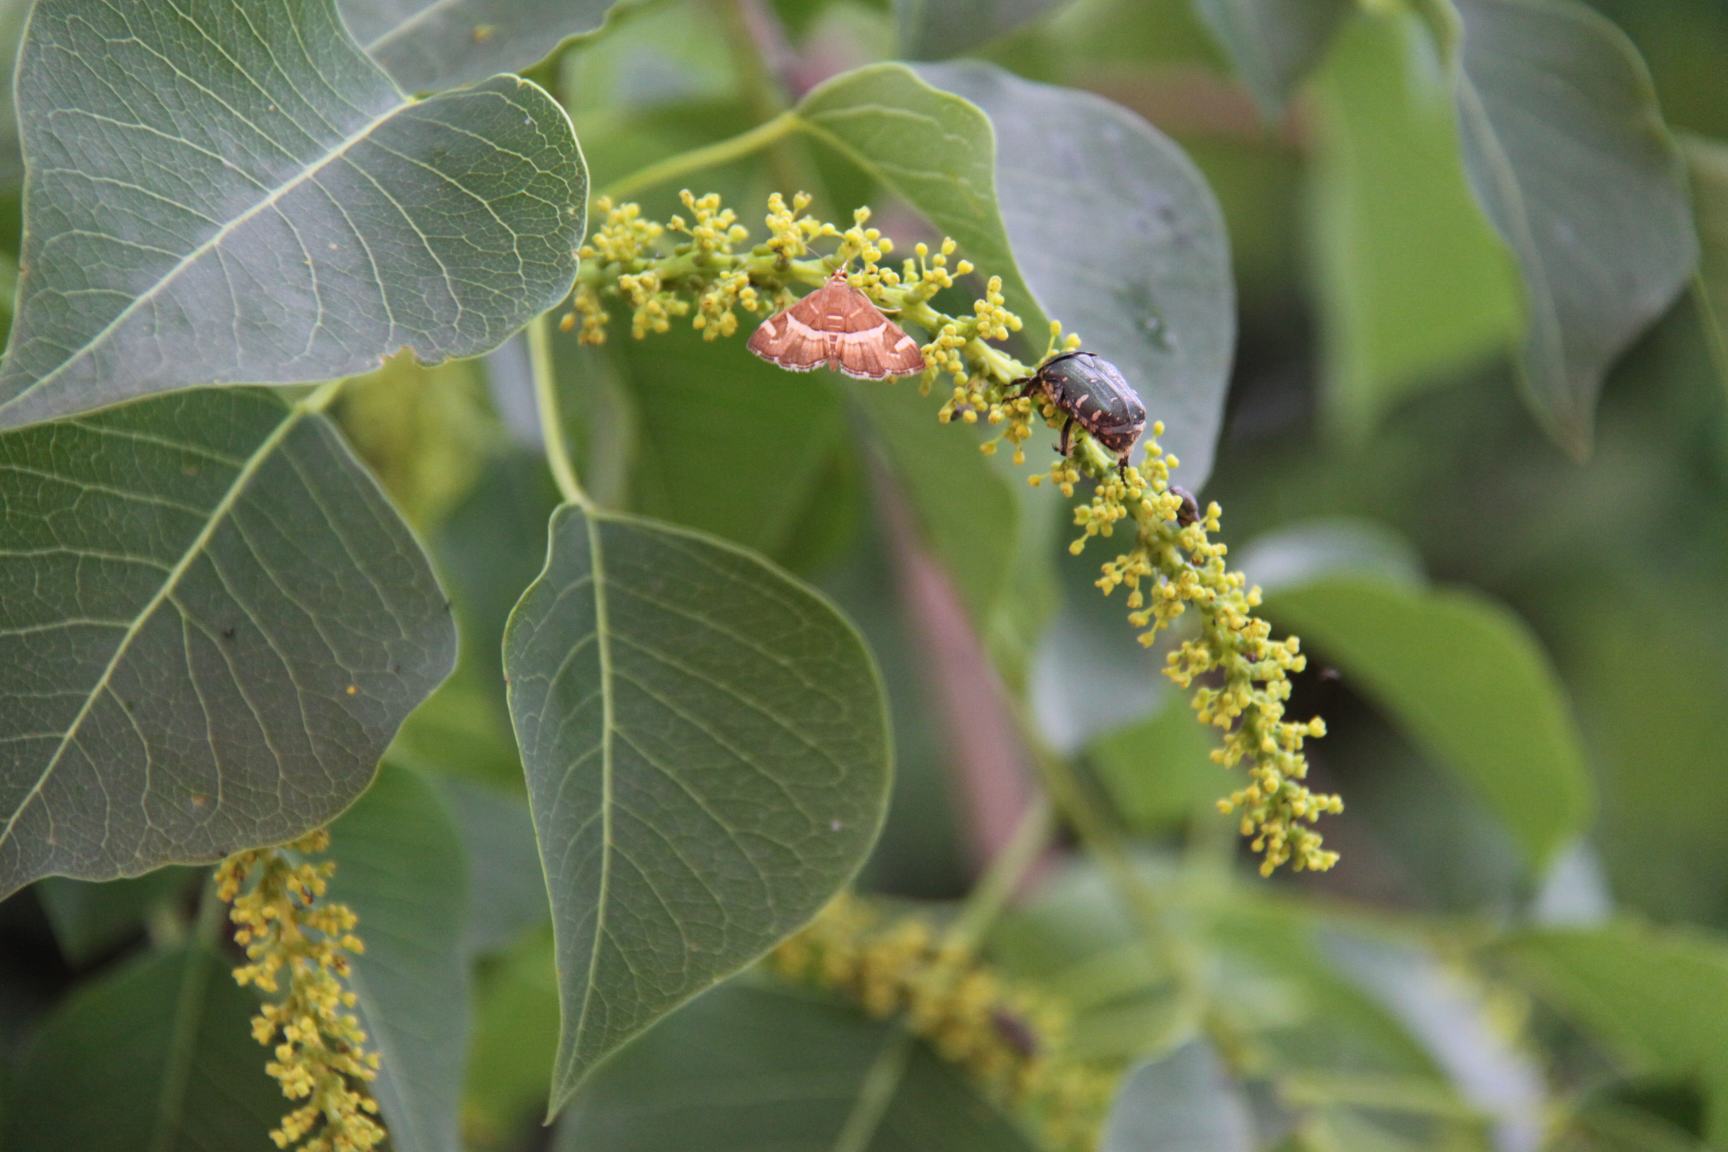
{"type": "Point", "coordinates": [1122, 464]}
{"type": "Point", "coordinates": [1067, 444]}
{"type": "Point", "coordinates": [1026, 384]}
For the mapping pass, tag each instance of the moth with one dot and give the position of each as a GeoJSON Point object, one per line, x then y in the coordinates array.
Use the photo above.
{"type": "Point", "coordinates": [837, 327]}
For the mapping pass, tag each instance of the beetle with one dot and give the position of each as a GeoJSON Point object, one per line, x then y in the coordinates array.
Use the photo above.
{"type": "Point", "coordinates": [1091, 392]}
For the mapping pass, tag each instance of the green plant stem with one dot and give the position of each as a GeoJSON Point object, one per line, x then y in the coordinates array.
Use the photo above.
{"type": "Point", "coordinates": [708, 156]}
{"type": "Point", "coordinates": [551, 415]}
{"type": "Point", "coordinates": [761, 89]}
{"type": "Point", "coordinates": [1102, 840]}
{"type": "Point", "coordinates": [1716, 346]}
{"type": "Point", "coordinates": [321, 397]}
{"type": "Point", "coordinates": [1028, 844]}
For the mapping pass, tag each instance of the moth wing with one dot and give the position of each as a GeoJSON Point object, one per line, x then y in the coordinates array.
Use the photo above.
{"type": "Point", "coordinates": [901, 353]}
{"type": "Point", "coordinates": [790, 341]}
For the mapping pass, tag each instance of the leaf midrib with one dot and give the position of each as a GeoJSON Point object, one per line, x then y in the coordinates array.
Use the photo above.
{"type": "Point", "coordinates": [418, 18]}
{"type": "Point", "coordinates": [603, 652]}
{"type": "Point", "coordinates": [308, 172]}
{"type": "Point", "coordinates": [170, 583]}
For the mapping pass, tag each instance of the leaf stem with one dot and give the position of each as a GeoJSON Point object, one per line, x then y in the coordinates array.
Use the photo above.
{"type": "Point", "coordinates": [1102, 840]}
{"type": "Point", "coordinates": [1027, 846]}
{"type": "Point", "coordinates": [708, 156]}
{"type": "Point", "coordinates": [1714, 342]}
{"type": "Point", "coordinates": [551, 416]}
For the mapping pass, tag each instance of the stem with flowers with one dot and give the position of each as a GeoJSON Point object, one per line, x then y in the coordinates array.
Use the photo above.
{"type": "Point", "coordinates": [703, 266]}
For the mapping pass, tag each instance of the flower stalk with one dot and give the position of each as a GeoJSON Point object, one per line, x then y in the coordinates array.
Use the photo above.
{"type": "Point", "coordinates": [702, 267]}
{"type": "Point", "coordinates": [297, 948]}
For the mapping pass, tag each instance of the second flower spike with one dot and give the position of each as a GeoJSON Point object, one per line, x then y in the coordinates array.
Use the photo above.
{"type": "Point", "coordinates": [838, 327]}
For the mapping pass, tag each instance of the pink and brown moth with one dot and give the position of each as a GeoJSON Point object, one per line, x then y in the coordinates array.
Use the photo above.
{"type": "Point", "coordinates": [837, 327]}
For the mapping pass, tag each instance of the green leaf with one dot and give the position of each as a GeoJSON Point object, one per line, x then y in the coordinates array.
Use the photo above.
{"type": "Point", "coordinates": [931, 148]}
{"type": "Point", "coordinates": [1469, 682]}
{"type": "Point", "coordinates": [428, 45]}
{"type": "Point", "coordinates": [933, 29]}
{"type": "Point", "coordinates": [1127, 247]}
{"type": "Point", "coordinates": [1273, 43]}
{"type": "Point", "coordinates": [1707, 160]}
{"type": "Point", "coordinates": [213, 625]}
{"type": "Point", "coordinates": [290, 216]}
{"type": "Point", "coordinates": [1658, 1000]}
{"type": "Point", "coordinates": [1414, 283]}
{"type": "Point", "coordinates": [400, 866]}
{"type": "Point", "coordinates": [157, 1057]}
{"type": "Point", "coordinates": [507, 890]}
{"type": "Point", "coordinates": [707, 756]}
{"type": "Point", "coordinates": [89, 918]}
{"type": "Point", "coordinates": [1182, 1102]}
{"type": "Point", "coordinates": [967, 512]}
{"type": "Point", "coordinates": [753, 1067]}
{"type": "Point", "coordinates": [727, 443]}
{"type": "Point", "coordinates": [1568, 154]}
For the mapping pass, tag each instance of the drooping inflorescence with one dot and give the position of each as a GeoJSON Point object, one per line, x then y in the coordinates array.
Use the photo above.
{"type": "Point", "coordinates": [1008, 1036]}
{"type": "Point", "coordinates": [293, 936]}
{"type": "Point", "coordinates": [1236, 672]}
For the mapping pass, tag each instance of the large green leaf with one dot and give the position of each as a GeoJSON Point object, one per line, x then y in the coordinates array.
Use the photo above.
{"type": "Point", "coordinates": [157, 1057]}
{"type": "Point", "coordinates": [1273, 43]}
{"type": "Point", "coordinates": [1413, 281]}
{"type": "Point", "coordinates": [288, 215]}
{"type": "Point", "coordinates": [211, 625]}
{"type": "Point", "coordinates": [1182, 1102]}
{"type": "Point", "coordinates": [400, 866]}
{"type": "Point", "coordinates": [931, 29]}
{"type": "Point", "coordinates": [934, 150]}
{"type": "Point", "coordinates": [752, 1067]}
{"type": "Point", "coordinates": [1127, 246]}
{"type": "Point", "coordinates": [1469, 682]}
{"type": "Point", "coordinates": [1657, 1000]}
{"type": "Point", "coordinates": [707, 758]}
{"type": "Point", "coordinates": [431, 44]}
{"type": "Point", "coordinates": [1567, 152]}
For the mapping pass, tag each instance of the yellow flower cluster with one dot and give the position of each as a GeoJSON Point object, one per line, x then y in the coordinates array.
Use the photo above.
{"type": "Point", "coordinates": [319, 1048]}
{"type": "Point", "coordinates": [1237, 674]}
{"type": "Point", "coordinates": [1008, 1037]}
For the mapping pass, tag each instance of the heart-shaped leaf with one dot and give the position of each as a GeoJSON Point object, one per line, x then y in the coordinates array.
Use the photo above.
{"type": "Point", "coordinates": [707, 756]}
{"type": "Point", "coordinates": [1596, 214]}
{"type": "Point", "coordinates": [931, 148]}
{"type": "Point", "coordinates": [754, 1067]}
{"type": "Point", "coordinates": [1466, 679]}
{"type": "Point", "coordinates": [157, 1056]}
{"type": "Point", "coordinates": [286, 215]}
{"type": "Point", "coordinates": [431, 44]}
{"type": "Point", "coordinates": [1127, 247]}
{"type": "Point", "coordinates": [400, 866]}
{"type": "Point", "coordinates": [1414, 285]}
{"type": "Point", "coordinates": [211, 625]}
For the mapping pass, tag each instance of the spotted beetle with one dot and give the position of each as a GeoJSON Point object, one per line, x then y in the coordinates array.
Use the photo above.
{"type": "Point", "coordinates": [1091, 392]}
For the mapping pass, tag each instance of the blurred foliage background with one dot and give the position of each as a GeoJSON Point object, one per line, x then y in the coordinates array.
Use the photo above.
{"type": "Point", "coordinates": [1517, 639]}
